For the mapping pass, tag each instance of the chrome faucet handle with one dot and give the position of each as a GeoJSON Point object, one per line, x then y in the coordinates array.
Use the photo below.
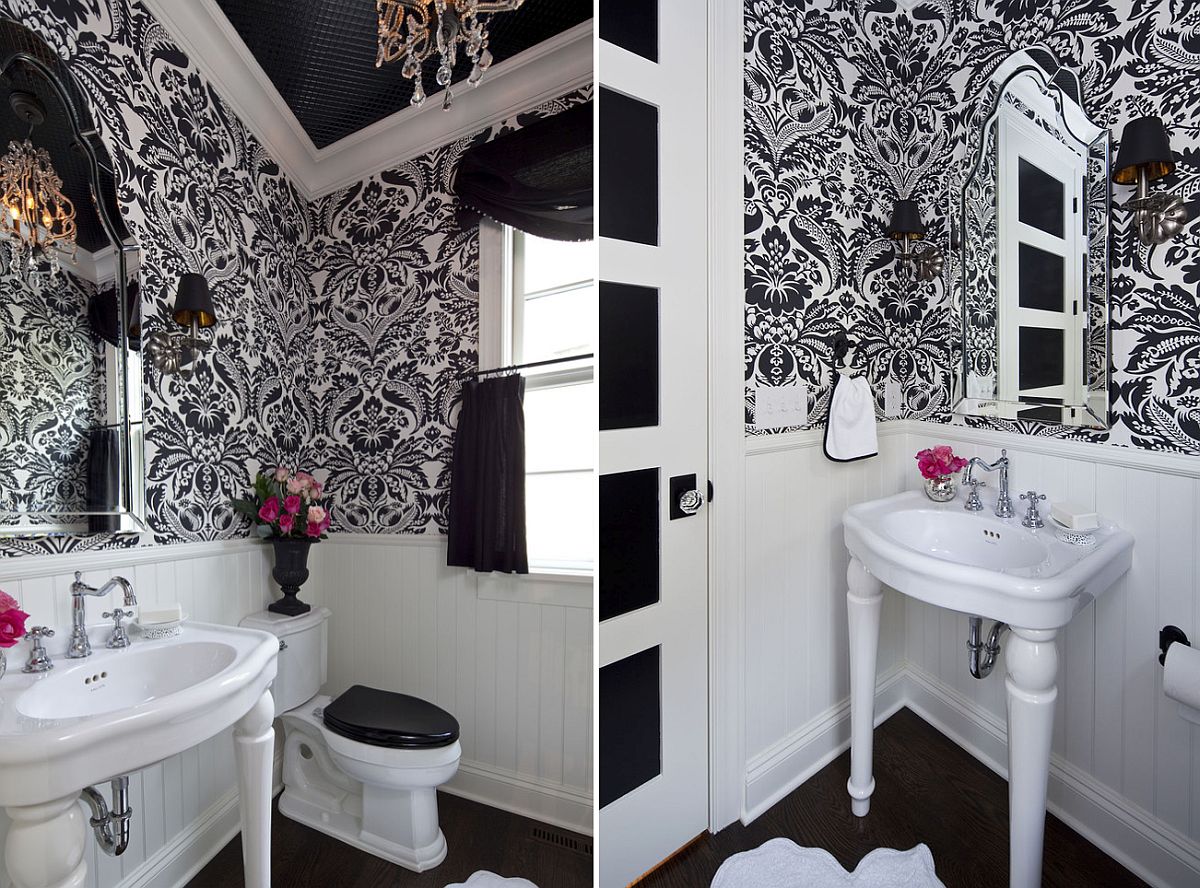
{"type": "Point", "coordinates": [39, 660]}
{"type": "Point", "coordinates": [973, 503]}
{"type": "Point", "coordinates": [119, 637]}
{"type": "Point", "coordinates": [1032, 517]}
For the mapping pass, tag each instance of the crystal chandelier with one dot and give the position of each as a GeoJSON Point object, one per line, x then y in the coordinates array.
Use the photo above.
{"type": "Point", "coordinates": [413, 30]}
{"type": "Point", "coordinates": [36, 219]}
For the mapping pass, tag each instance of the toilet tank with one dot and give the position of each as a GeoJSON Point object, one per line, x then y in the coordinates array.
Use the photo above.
{"type": "Point", "coordinates": [302, 654]}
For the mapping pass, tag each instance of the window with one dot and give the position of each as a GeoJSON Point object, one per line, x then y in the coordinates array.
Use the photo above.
{"type": "Point", "coordinates": [538, 299]}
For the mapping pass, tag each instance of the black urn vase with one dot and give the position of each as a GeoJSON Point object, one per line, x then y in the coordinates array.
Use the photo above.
{"type": "Point", "coordinates": [290, 572]}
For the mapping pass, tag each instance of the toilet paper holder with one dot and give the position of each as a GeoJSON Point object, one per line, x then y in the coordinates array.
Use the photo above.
{"type": "Point", "coordinates": [1167, 636]}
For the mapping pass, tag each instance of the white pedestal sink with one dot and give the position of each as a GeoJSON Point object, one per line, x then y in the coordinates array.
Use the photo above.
{"type": "Point", "coordinates": [116, 712]}
{"type": "Point", "coordinates": [981, 565]}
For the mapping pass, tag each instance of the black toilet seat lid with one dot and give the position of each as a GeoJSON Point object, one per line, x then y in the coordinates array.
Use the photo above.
{"type": "Point", "coordinates": [385, 718]}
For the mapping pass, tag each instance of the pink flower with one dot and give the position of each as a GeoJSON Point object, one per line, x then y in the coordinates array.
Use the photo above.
{"type": "Point", "coordinates": [316, 528]}
{"type": "Point", "coordinates": [306, 480]}
{"type": "Point", "coordinates": [281, 474]}
{"type": "Point", "coordinates": [7, 602]}
{"type": "Point", "coordinates": [316, 489]}
{"type": "Point", "coordinates": [270, 509]}
{"type": "Point", "coordinates": [287, 521]}
{"type": "Point", "coordinates": [12, 626]}
{"type": "Point", "coordinates": [291, 505]}
{"type": "Point", "coordinates": [294, 486]}
{"type": "Point", "coordinates": [316, 514]}
{"type": "Point", "coordinates": [935, 462]}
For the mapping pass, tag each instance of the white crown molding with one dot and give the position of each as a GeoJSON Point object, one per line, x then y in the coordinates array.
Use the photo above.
{"type": "Point", "coordinates": [543, 72]}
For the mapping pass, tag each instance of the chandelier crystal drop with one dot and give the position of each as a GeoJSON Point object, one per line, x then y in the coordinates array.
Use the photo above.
{"type": "Point", "coordinates": [413, 30]}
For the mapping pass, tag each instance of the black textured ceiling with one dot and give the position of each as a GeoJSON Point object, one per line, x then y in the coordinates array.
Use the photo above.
{"type": "Point", "coordinates": [54, 134]}
{"type": "Point", "coordinates": [320, 55]}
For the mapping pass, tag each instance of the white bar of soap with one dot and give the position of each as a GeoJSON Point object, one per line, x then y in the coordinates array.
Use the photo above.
{"type": "Point", "coordinates": [169, 613]}
{"type": "Point", "coordinates": [1074, 517]}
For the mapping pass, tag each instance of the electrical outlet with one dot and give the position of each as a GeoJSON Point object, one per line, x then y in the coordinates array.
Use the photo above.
{"type": "Point", "coordinates": [891, 397]}
{"type": "Point", "coordinates": [777, 407]}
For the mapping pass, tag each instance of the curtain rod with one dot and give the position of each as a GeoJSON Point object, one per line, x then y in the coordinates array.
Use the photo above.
{"type": "Point", "coordinates": [511, 367]}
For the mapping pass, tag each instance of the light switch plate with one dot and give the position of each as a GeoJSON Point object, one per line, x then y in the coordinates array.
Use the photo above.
{"type": "Point", "coordinates": [777, 407]}
{"type": "Point", "coordinates": [891, 397]}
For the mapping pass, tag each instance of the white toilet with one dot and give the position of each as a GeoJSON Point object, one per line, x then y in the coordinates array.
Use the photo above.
{"type": "Point", "coordinates": [363, 767]}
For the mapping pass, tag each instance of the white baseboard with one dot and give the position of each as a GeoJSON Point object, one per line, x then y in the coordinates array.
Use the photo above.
{"type": "Point", "coordinates": [178, 861]}
{"type": "Point", "coordinates": [782, 767]}
{"type": "Point", "coordinates": [1154, 851]}
{"type": "Point", "coordinates": [528, 796]}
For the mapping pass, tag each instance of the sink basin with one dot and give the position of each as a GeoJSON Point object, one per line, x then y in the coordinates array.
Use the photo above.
{"type": "Point", "coordinates": [978, 564]}
{"type": "Point", "coordinates": [136, 678]}
{"type": "Point", "coordinates": [962, 538]}
{"type": "Point", "coordinates": [121, 710]}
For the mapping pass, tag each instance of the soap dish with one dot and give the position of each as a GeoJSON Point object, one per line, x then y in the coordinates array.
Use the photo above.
{"type": "Point", "coordinates": [159, 631]}
{"type": "Point", "coordinates": [1073, 537]}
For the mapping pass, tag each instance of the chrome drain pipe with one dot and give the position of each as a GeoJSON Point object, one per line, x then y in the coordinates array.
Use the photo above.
{"type": "Point", "coordinates": [111, 827]}
{"type": "Point", "coordinates": [981, 656]}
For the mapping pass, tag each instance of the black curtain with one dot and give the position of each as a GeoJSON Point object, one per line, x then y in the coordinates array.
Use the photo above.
{"type": "Point", "coordinates": [487, 478]}
{"type": "Point", "coordinates": [537, 179]}
{"type": "Point", "coordinates": [103, 479]}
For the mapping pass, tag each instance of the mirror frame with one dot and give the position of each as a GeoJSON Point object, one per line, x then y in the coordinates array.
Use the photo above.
{"type": "Point", "coordinates": [127, 253]}
{"type": "Point", "coordinates": [1045, 68]}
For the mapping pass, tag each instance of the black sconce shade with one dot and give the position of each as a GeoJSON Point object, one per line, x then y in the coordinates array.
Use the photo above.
{"type": "Point", "coordinates": [906, 220]}
{"type": "Point", "coordinates": [194, 302]}
{"type": "Point", "coordinates": [1144, 143]}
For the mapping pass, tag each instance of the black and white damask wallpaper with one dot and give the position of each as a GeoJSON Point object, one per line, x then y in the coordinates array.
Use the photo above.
{"type": "Point", "coordinates": [851, 104]}
{"type": "Point", "coordinates": [396, 324]}
{"type": "Point", "coordinates": [199, 194]}
{"type": "Point", "coordinates": [344, 323]}
{"type": "Point", "coordinates": [54, 392]}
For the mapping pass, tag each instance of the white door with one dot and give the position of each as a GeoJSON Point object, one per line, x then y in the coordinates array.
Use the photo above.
{"type": "Point", "coordinates": [653, 731]}
{"type": "Point", "coordinates": [1043, 250]}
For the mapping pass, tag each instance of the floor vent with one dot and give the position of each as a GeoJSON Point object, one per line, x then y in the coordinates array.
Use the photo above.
{"type": "Point", "coordinates": [560, 839]}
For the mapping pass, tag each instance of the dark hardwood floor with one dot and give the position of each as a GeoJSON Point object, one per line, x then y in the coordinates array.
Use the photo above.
{"type": "Point", "coordinates": [479, 838]}
{"type": "Point", "coordinates": [926, 790]}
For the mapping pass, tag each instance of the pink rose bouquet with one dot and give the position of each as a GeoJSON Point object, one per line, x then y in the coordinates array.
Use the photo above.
{"type": "Point", "coordinates": [939, 461]}
{"type": "Point", "coordinates": [12, 621]}
{"type": "Point", "coordinates": [284, 504]}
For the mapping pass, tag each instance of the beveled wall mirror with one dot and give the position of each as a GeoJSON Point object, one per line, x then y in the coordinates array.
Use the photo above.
{"type": "Point", "coordinates": [1031, 226]}
{"type": "Point", "coordinates": [70, 369]}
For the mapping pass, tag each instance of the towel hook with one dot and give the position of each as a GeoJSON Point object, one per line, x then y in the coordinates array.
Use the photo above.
{"type": "Point", "coordinates": [841, 347]}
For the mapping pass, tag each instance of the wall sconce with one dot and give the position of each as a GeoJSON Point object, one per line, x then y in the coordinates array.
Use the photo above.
{"type": "Point", "coordinates": [170, 352]}
{"type": "Point", "coordinates": [1145, 157]}
{"type": "Point", "coordinates": [906, 226]}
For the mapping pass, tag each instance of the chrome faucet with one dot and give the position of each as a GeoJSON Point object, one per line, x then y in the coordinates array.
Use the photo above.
{"type": "Point", "coordinates": [80, 646]}
{"type": "Point", "coordinates": [1004, 503]}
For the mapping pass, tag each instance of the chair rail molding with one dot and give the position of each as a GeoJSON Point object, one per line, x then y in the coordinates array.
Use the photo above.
{"type": "Point", "coordinates": [540, 73]}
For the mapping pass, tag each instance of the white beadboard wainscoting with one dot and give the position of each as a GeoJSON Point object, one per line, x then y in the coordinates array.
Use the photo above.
{"type": "Point", "coordinates": [511, 658]}
{"type": "Point", "coordinates": [1125, 770]}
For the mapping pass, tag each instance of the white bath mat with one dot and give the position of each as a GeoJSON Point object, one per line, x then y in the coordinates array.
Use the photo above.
{"type": "Point", "coordinates": [781, 863]}
{"type": "Point", "coordinates": [484, 879]}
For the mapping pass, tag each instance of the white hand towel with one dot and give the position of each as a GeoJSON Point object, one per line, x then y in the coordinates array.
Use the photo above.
{"type": "Point", "coordinates": [850, 429]}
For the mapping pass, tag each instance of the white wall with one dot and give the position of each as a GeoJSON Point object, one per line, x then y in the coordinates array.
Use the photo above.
{"type": "Point", "coordinates": [1126, 769]}
{"type": "Point", "coordinates": [510, 658]}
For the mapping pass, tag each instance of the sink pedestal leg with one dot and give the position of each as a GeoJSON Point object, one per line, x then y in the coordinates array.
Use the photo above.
{"type": "Point", "coordinates": [1032, 666]}
{"type": "Point", "coordinates": [45, 845]}
{"type": "Point", "coordinates": [254, 747]}
{"type": "Point", "coordinates": [864, 600]}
